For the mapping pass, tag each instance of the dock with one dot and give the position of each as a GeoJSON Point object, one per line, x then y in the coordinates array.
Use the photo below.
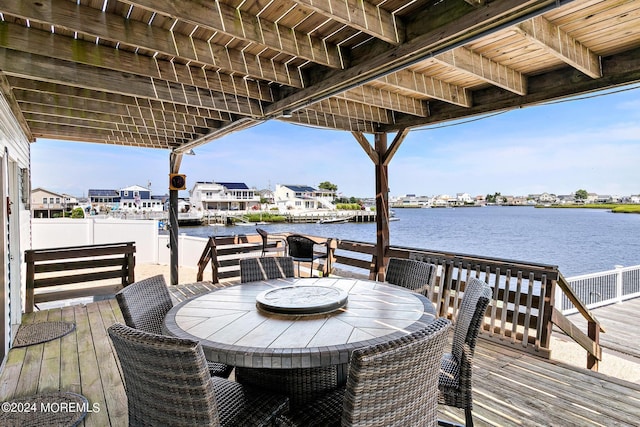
{"type": "Point", "coordinates": [511, 388]}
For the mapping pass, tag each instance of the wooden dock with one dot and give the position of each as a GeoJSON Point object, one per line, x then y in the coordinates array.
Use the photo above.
{"type": "Point", "coordinates": [511, 388]}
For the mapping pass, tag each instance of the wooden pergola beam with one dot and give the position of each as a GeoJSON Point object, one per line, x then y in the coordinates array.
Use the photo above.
{"type": "Point", "coordinates": [437, 36]}
{"type": "Point", "coordinates": [51, 45]}
{"type": "Point", "coordinates": [234, 22]}
{"type": "Point", "coordinates": [563, 46]}
{"type": "Point", "coordinates": [72, 133]}
{"type": "Point", "coordinates": [490, 71]}
{"type": "Point", "coordinates": [361, 15]}
{"type": "Point", "coordinates": [7, 92]}
{"type": "Point", "coordinates": [117, 29]}
{"type": "Point", "coordinates": [381, 98]}
{"type": "Point", "coordinates": [395, 144]}
{"type": "Point", "coordinates": [617, 70]}
{"type": "Point", "coordinates": [320, 119]}
{"type": "Point", "coordinates": [45, 69]}
{"type": "Point", "coordinates": [366, 146]}
{"type": "Point", "coordinates": [74, 98]}
{"type": "Point", "coordinates": [352, 110]}
{"type": "Point", "coordinates": [423, 85]}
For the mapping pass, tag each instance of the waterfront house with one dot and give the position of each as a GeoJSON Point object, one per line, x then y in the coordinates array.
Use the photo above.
{"type": "Point", "coordinates": [104, 201]}
{"type": "Point", "coordinates": [47, 204]}
{"type": "Point", "coordinates": [139, 199]}
{"type": "Point", "coordinates": [223, 196]}
{"type": "Point", "coordinates": [302, 197]}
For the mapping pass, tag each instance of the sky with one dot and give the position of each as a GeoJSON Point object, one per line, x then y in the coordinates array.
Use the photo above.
{"type": "Point", "coordinates": [591, 143]}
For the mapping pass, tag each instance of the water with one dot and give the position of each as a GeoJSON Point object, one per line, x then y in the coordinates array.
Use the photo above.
{"type": "Point", "coordinates": [579, 241]}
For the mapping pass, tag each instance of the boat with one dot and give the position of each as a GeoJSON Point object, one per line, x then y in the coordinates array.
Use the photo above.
{"type": "Point", "coordinates": [334, 220]}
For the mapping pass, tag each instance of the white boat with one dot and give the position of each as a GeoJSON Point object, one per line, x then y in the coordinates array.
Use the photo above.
{"type": "Point", "coordinates": [334, 220]}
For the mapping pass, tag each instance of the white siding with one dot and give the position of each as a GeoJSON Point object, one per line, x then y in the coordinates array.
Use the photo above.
{"type": "Point", "coordinates": [15, 235]}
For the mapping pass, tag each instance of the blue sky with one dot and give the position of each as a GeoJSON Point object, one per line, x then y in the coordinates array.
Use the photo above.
{"type": "Point", "coordinates": [591, 144]}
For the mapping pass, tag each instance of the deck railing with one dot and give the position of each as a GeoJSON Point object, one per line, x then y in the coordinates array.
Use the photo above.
{"type": "Point", "coordinates": [602, 288]}
{"type": "Point", "coordinates": [522, 310]}
{"type": "Point", "coordinates": [48, 271]}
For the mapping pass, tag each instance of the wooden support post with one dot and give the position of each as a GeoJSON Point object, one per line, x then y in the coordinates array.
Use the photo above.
{"type": "Point", "coordinates": [381, 156]}
{"type": "Point", "coordinates": [174, 166]}
{"type": "Point", "coordinates": [382, 206]}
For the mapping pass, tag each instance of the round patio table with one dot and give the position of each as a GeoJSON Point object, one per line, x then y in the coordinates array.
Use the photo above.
{"type": "Point", "coordinates": [297, 327]}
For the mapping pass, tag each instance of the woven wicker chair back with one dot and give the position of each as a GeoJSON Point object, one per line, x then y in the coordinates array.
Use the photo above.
{"type": "Point", "coordinates": [396, 383]}
{"type": "Point", "coordinates": [265, 268]}
{"type": "Point", "coordinates": [470, 317]}
{"type": "Point", "coordinates": [417, 276]}
{"type": "Point", "coordinates": [144, 304]}
{"type": "Point", "coordinates": [166, 379]}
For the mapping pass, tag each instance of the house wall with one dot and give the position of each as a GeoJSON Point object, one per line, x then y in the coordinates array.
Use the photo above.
{"type": "Point", "coordinates": [15, 182]}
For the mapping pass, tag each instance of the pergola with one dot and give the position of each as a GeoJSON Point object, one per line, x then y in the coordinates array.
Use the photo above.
{"type": "Point", "coordinates": [178, 74]}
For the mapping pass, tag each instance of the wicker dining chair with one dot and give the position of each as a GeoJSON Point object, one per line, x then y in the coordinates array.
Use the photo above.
{"type": "Point", "coordinates": [388, 384]}
{"type": "Point", "coordinates": [144, 305]}
{"type": "Point", "coordinates": [415, 275]}
{"type": "Point", "coordinates": [167, 383]}
{"type": "Point", "coordinates": [265, 268]}
{"type": "Point", "coordinates": [455, 383]}
{"type": "Point", "coordinates": [266, 239]}
{"type": "Point", "coordinates": [302, 249]}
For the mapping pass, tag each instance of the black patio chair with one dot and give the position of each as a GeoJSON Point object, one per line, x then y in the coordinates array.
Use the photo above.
{"type": "Point", "coordinates": [415, 275]}
{"type": "Point", "coordinates": [455, 385]}
{"type": "Point", "coordinates": [145, 304]}
{"type": "Point", "coordinates": [167, 383]}
{"type": "Point", "coordinates": [302, 249]}
{"type": "Point", "coordinates": [265, 268]}
{"type": "Point", "coordinates": [389, 384]}
{"type": "Point", "coordinates": [280, 241]}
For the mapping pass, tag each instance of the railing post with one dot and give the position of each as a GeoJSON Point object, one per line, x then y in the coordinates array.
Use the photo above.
{"type": "Point", "coordinates": [131, 265]}
{"type": "Point", "coordinates": [619, 291]}
{"type": "Point", "coordinates": [547, 324]}
{"type": "Point", "coordinates": [594, 334]}
{"type": "Point", "coordinates": [30, 288]}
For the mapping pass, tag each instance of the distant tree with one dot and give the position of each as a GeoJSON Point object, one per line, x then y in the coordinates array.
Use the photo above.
{"type": "Point", "coordinates": [326, 185]}
{"type": "Point", "coordinates": [494, 198]}
{"type": "Point", "coordinates": [77, 213]}
{"type": "Point", "coordinates": [581, 194]}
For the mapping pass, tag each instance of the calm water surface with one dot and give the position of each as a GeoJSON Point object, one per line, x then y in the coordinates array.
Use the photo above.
{"type": "Point", "coordinates": [577, 240]}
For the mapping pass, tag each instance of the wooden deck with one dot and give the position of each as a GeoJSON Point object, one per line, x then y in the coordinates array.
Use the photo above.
{"type": "Point", "coordinates": [511, 388]}
{"type": "Point", "coordinates": [618, 320]}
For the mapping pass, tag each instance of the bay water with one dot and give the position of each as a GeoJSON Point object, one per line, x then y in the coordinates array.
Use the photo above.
{"type": "Point", "coordinates": [578, 241]}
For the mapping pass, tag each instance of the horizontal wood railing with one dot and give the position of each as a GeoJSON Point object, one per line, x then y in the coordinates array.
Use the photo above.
{"type": "Point", "coordinates": [521, 313]}
{"type": "Point", "coordinates": [47, 270]}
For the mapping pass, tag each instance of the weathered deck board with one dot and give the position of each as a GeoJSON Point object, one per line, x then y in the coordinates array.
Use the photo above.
{"type": "Point", "coordinates": [511, 388]}
{"type": "Point", "coordinates": [621, 321]}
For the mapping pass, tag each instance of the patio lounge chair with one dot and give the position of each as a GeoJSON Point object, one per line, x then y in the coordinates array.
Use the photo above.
{"type": "Point", "coordinates": [302, 249]}
{"type": "Point", "coordinates": [456, 367]}
{"type": "Point", "coordinates": [265, 268]}
{"type": "Point", "coordinates": [266, 239]}
{"type": "Point", "coordinates": [168, 384]}
{"type": "Point", "coordinates": [144, 305]}
{"type": "Point", "coordinates": [389, 384]}
{"type": "Point", "coordinates": [415, 275]}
